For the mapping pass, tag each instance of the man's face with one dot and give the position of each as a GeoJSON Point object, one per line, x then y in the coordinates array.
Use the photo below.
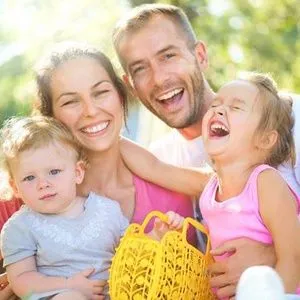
{"type": "Point", "coordinates": [164, 72]}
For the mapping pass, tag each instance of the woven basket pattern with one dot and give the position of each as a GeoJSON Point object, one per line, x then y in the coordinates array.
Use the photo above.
{"type": "Point", "coordinates": [170, 269]}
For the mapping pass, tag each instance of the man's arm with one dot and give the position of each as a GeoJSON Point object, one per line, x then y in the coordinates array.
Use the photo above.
{"type": "Point", "coordinates": [245, 253]}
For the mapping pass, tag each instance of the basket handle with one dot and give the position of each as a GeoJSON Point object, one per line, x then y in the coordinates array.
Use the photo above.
{"type": "Point", "coordinates": [189, 221]}
{"type": "Point", "coordinates": [152, 214]}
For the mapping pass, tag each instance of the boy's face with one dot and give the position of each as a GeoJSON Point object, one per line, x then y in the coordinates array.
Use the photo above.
{"type": "Point", "coordinates": [45, 178]}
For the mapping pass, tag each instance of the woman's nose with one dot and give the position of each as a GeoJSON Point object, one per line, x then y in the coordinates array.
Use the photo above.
{"type": "Point", "coordinates": [89, 108]}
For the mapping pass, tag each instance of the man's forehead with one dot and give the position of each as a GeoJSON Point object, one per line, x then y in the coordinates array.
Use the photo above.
{"type": "Point", "coordinates": [153, 37]}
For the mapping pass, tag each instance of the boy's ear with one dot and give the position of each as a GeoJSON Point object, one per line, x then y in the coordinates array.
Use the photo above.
{"type": "Point", "coordinates": [14, 188]}
{"type": "Point", "coordinates": [128, 82]}
{"type": "Point", "coordinates": [80, 171]}
{"type": "Point", "coordinates": [268, 140]}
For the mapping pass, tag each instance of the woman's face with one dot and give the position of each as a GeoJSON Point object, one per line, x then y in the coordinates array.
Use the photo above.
{"type": "Point", "coordinates": [86, 101]}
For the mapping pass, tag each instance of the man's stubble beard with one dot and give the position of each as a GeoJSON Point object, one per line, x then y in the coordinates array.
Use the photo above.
{"type": "Point", "coordinates": [196, 107]}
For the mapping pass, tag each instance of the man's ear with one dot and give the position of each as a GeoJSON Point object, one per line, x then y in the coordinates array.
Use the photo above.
{"type": "Point", "coordinates": [80, 171]}
{"type": "Point", "coordinates": [201, 55]}
{"type": "Point", "coordinates": [14, 188]}
{"type": "Point", "coordinates": [129, 84]}
{"type": "Point", "coordinates": [268, 140]}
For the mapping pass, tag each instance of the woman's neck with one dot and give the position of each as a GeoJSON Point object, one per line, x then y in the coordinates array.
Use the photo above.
{"type": "Point", "coordinates": [106, 172]}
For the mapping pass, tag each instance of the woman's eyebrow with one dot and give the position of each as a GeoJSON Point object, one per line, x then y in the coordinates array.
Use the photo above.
{"type": "Point", "coordinates": [100, 82]}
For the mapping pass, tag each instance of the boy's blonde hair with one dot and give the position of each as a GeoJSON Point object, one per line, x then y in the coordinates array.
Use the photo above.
{"type": "Point", "coordinates": [276, 115]}
{"type": "Point", "coordinates": [25, 133]}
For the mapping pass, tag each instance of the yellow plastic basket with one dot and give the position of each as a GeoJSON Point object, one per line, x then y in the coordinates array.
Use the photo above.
{"type": "Point", "coordinates": [170, 269]}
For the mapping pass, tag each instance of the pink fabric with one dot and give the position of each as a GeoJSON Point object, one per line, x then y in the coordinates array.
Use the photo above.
{"type": "Point", "coordinates": [236, 217]}
{"type": "Point", "coordinates": [149, 196]}
{"type": "Point", "coordinates": [7, 208]}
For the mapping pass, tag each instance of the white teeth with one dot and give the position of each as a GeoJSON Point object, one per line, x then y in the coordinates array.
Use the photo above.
{"type": "Point", "coordinates": [218, 126]}
{"type": "Point", "coordinates": [97, 128]}
{"type": "Point", "coordinates": [170, 94]}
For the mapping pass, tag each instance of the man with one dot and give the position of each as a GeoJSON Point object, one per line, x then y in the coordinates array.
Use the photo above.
{"type": "Point", "coordinates": [164, 66]}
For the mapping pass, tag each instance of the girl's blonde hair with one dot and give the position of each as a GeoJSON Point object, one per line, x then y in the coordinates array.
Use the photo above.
{"type": "Point", "coordinates": [276, 115]}
{"type": "Point", "coordinates": [25, 133]}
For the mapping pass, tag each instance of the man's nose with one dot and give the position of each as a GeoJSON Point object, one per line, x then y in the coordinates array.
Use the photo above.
{"type": "Point", "coordinates": [159, 74]}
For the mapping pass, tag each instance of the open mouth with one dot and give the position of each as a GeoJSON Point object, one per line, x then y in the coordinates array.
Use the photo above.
{"type": "Point", "coordinates": [171, 96]}
{"type": "Point", "coordinates": [95, 128]}
{"type": "Point", "coordinates": [218, 129]}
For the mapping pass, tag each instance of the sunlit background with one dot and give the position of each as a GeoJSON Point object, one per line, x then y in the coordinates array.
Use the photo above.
{"type": "Point", "coordinates": [240, 35]}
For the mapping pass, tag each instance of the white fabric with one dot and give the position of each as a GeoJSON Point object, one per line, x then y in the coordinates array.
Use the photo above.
{"type": "Point", "coordinates": [175, 149]}
{"type": "Point", "coordinates": [292, 174]}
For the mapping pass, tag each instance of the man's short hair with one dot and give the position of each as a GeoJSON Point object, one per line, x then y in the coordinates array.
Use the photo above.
{"type": "Point", "coordinates": [139, 16]}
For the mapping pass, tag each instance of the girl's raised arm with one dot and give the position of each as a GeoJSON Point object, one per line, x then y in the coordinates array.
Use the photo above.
{"type": "Point", "coordinates": [279, 211]}
{"type": "Point", "coordinates": [190, 181]}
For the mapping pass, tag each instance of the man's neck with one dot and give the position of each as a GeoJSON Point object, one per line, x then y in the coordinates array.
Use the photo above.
{"type": "Point", "coordinates": [195, 130]}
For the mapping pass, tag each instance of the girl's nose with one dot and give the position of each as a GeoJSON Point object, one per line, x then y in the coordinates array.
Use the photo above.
{"type": "Point", "coordinates": [220, 110]}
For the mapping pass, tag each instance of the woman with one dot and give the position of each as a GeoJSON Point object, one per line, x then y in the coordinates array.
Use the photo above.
{"type": "Point", "coordinates": [78, 86]}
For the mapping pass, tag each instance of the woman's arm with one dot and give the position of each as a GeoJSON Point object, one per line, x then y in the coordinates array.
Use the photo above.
{"type": "Point", "coordinates": [25, 279]}
{"type": "Point", "coordinates": [143, 163]}
{"type": "Point", "coordinates": [279, 209]}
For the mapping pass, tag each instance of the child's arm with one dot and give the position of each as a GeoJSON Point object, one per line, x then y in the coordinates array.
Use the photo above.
{"type": "Point", "coordinates": [25, 279]}
{"type": "Point", "coordinates": [278, 208]}
{"type": "Point", "coordinates": [143, 163]}
{"type": "Point", "coordinates": [160, 228]}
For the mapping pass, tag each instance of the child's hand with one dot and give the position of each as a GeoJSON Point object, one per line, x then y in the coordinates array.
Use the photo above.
{"type": "Point", "coordinates": [92, 289]}
{"type": "Point", "coordinates": [174, 222]}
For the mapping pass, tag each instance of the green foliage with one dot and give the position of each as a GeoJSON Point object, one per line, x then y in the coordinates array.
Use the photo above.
{"type": "Point", "coordinates": [248, 35]}
{"type": "Point", "coordinates": [239, 34]}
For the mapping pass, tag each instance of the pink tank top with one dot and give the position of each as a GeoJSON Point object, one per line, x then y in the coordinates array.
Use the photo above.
{"type": "Point", "coordinates": [149, 196]}
{"type": "Point", "coordinates": [236, 217]}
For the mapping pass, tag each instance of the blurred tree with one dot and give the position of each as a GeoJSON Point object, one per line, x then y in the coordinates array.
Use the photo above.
{"type": "Point", "coordinates": [240, 35]}
{"type": "Point", "coordinates": [29, 27]}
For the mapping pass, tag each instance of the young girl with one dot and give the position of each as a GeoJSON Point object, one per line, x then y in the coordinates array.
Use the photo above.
{"type": "Point", "coordinates": [58, 245]}
{"type": "Point", "coordinates": [247, 132]}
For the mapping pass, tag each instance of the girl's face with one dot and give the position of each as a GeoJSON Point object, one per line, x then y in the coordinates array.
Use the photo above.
{"type": "Point", "coordinates": [231, 121]}
{"type": "Point", "coordinates": [85, 100]}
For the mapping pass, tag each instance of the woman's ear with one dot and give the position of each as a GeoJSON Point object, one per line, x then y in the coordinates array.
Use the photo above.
{"type": "Point", "coordinates": [80, 171]}
{"type": "Point", "coordinates": [268, 140]}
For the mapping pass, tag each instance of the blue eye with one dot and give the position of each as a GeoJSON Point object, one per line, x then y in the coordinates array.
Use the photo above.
{"type": "Point", "coordinates": [55, 171]}
{"type": "Point", "coordinates": [29, 178]}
